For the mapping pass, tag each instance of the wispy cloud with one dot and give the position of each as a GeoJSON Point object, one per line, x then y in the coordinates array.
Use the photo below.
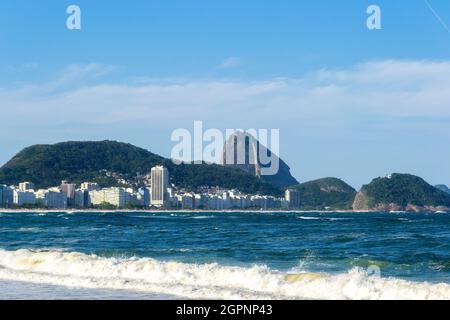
{"type": "Point", "coordinates": [230, 62]}
{"type": "Point", "coordinates": [390, 88]}
{"type": "Point", "coordinates": [76, 72]}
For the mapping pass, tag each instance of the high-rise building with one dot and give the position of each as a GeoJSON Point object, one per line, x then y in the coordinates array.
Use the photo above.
{"type": "Point", "coordinates": [25, 186]}
{"type": "Point", "coordinates": [69, 189]}
{"type": "Point", "coordinates": [160, 183]}
{"type": "Point", "coordinates": [293, 198]}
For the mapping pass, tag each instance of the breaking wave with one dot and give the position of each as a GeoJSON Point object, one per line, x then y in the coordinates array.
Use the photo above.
{"type": "Point", "coordinates": [203, 281]}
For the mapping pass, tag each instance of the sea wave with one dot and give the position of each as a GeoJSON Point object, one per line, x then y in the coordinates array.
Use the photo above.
{"type": "Point", "coordinates": [203, 217]}
{"type": "Point", "coordinates": [30, 230]}
{"type": "Point", "coordinates": [204, 281]}
{"type": "Point", "coordinates": [321, 218]}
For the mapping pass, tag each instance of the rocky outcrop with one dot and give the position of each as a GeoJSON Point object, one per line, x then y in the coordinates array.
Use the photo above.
{"type": "Point", "coordinates": [244, 152]}
{"type": "Point", "coordinates": [361, 202]}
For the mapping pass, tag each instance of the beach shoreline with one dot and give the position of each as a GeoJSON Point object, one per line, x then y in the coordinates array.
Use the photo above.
{"type": "Point", "coordinates": [240, 211]}
{"type": "Point", "coordinates": [22, 290]}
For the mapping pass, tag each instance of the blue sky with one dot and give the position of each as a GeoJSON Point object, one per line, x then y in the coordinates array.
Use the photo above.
{"type": "Point", "coordinates": [349, 102]}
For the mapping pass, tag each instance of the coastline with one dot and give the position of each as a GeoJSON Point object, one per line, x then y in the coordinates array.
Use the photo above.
{"type": "Point", "coordinates": [23, 290]}
{"type": "Point", "coordinates": [177, 210]}
{"type": "Point", "coordinates": [69, 211]}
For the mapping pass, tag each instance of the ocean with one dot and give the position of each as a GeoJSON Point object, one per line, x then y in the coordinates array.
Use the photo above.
{"type": "Point", "coordinates": [218, 255]}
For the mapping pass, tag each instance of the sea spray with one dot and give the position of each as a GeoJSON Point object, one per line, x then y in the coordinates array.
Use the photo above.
{"type": "Point", "coordinates": [203, 281]}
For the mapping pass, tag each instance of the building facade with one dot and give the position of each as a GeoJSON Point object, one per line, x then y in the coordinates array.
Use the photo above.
{"type": "Point", "coordinates": [114, 196]}
{"type": "Point", "coordinates": [160, 183]}
{"type": "Point", "coordinates": [25, 186]}
{"type": "Point", "coordinates": [89, 186]}
{"type": "Point", "coordinates": [293, 198]}
{"type": "Point", "coordinates": [69, 189]}
{"type": "Point", "coordinates": [6, 196]}
{"type": "Point", "coordinates": [22, 198]}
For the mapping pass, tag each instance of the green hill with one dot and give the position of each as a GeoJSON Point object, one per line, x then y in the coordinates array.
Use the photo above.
{"type": "Point", "coordinates": [443, 187]}
{"type": "Point", "coordinates": [103, 161]}
{"type": "Point", "coordinates": [325, 193]}
{"type": "Point", "coordinates": [400, 192]}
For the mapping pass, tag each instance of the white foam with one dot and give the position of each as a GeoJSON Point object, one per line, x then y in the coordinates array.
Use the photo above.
{"type": "Point", "coordinates": [34, 230]}
{"type": "Point", "coordinates": [309, 218]}
{"type": "Point", "coordinates": [321, 218]}
{"type": "Point", "coordinates": [207, 281]}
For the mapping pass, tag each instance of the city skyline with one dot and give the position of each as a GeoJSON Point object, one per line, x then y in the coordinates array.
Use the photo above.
{"type": "Point", "coordinates": [159, 194]}
{"type": "Point", "coordinates": [373, 99]}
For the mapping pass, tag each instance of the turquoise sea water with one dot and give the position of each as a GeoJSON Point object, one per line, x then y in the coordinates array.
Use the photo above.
{"type": "Point", "coordinates": [230, 255]}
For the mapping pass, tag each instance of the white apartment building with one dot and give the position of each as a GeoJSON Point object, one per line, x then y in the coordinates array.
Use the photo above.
{"type": "Point", "coordinates": [160, 183]}
{"type": "Point", "coordinates": [52, 198]}
{"type": "Point", "coordinates": [115, 196]}
{"type": "Point", "coordinates": [24, 197]}
{"type": "Point", "coordinates": [186, 201]}
{"type": "Point", "coordinates": [56, 199]}
{"type": "Point", "coordinates": [215, 202]}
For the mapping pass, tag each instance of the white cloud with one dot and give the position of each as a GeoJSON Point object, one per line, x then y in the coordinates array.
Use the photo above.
{"type": "Point", "coordinates": [392, 88]}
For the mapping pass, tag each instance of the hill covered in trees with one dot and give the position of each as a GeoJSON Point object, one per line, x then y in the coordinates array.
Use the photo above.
{"type": "Point", "coordinates": [443, 187]}
{"type": "Point", "coordinates": [401, 192]}
{"type": "Point", "coordinates": [104, 161]}
{"type": "Point", "coordinates": [326, 193]}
